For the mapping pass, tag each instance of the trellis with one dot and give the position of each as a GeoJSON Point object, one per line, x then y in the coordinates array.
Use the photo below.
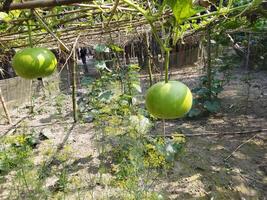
{"type": "Point", "coordinates": [69, 31]}
{"type": "Point", "coordinates": [90, 34]}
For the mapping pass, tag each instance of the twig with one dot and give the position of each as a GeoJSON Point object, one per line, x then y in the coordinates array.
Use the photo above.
{"type": "Point", "coordinates": [17, 124]}
{"type": "Point", "coordinates": [48, 162]}
{"type": "Point", "coordinates": [215, 134]}
{"type": "Point", "coordinates": [113, 11]}
{"type": "Point", "coordinates": [39, 18]}
{"type": "Point", "coordinates": [14, 126]}
{"type": "Point", "coordinates": [164, 127]}
{"type": "Point", "coordinates": [5, 107]}
{"type": "Point", "coordinates": [71, 53]}
{"type": "Point", "coordinates": [6, 5]}
{"type": "Point", "coordinates": [237, 148]}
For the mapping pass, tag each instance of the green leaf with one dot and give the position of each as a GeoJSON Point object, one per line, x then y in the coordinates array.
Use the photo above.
{"type": "Point", "coordinates": [99, 64]}
{"type": "Point", "coordinates": [194, 112]}
{"type": "Point", "coordinates": [4, 17]}
{"type": "Point", "coordinates": [201, 91]}
{"type": "Point", "coordinates": [137, 87]}
{"type": "Point", "coordinates": [212, 106]}
{"type": "Point", "coordinates": [105, 96]}
{"type": "Point", "coordinates": [182, 9]}
{"type": "Point", "coordinates": [115, 48]}
{"type": "Point", "coordinates": [101, 48]}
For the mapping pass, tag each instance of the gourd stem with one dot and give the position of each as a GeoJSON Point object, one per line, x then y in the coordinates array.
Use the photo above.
{"type": "Point", "coordinates": [29, 31]}
{"type": "Point", "coordinates": [148, 59]}
{"type": "Point", "coordinates": [166, 63]}
{"type": "Point", "coordinates": [164, 128]}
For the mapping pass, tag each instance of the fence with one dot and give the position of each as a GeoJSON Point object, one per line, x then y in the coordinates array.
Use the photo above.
{"type": "Point", "coordinates": [184, 55]}
{"type": "Point", "coordinates": [16, 91]}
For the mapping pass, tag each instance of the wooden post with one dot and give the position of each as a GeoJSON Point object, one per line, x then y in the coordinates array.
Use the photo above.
{"type": "Point", "coordinates": [74, 80]}
{"type": "Point", "coordinates": [248, 52]}
{"type": "Point", "coordinates": [148, 59]}
{"type": "Point", "coordinates": [209, 75]}
{"type": "Point", "coordinates": [73, 62]}
{"type": "Point", "coordinates": [74, 86]}
{"type": "Point", "coordinates": [5, 107]}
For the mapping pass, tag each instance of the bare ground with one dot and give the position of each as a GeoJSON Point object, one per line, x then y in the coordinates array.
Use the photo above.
{"type": "Point", "coordinates": [200, 173]}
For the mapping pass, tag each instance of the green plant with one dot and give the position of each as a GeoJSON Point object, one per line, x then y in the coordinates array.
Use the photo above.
{"type": "Point", "coordinates": [59, 100]}
{"type": "Point", "coordinates": [206, 101]}
{"type": "Point", "coordinates": [134, 158]}
{"type": "Point", "coordinates": [15, 152]}
{"type": "Point", "coordinates": [63, 180]}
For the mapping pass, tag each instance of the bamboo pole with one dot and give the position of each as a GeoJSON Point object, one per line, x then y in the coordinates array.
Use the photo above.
{"type": "Point", "coordinates": [94, 30]}
{"type": "Point", "coordinates": [147, 46]}
{"type": "Point", "coordinates": [113, 11]}
{"type": "Point", "coordinates": [209, 73]}
{"type": "Point", "coordinates": [89, 7]}
{"type": "Point", "coordinates": [49, 30]}
{"type": "Point", "coordinates": [74, 64]}
{"type": "Point", "coordinates": [5, 107]}
{"type": "Point", "coordinates": [74, 81]}
{"type": "Point", "coordinates": [74, 87]}
{"type": "Point", "coordinates": [41, 4]}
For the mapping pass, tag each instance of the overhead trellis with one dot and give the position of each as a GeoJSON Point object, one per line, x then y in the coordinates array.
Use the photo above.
{"type": "Point", "coordinates": [94, 20]}
{"type": "Point", "coordinates": [85, 19]}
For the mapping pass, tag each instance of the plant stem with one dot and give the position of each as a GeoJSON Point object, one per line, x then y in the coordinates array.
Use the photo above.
{"type": "Point", "coordinates": [149, 60]}
{"type": "Point", "coordinates": [166, 64]}
{"type": "Point", "coordinates": [150, 21]}
{"type": "Point", "coordinates": [40, 19]}
{"type": "Point", "coordinates": [219, 12]}
{"type": "Point", "coordinates": [164, 128]}
{"type": "Point", "coordinates": [24, 179]}
{"type": "Point", "coordinates": [29, 33]}
{"type": "Point", "coordinates": [74, 82]}
{"type": "Point", "coordinates": [74, 87]}
{"type": "Point", "coordinates": [5, 107]}
{"type": "Point", "coordinates": [137, 7]}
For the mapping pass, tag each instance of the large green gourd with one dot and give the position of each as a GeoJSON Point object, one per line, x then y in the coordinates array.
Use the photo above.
{"type": "Point", "coordinates": [169, 100]}
{"type": "Point", "coordinates": [31, 63]}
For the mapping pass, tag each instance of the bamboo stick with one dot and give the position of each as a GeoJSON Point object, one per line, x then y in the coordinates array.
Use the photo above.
{"type": "Point", "coordinates": [41, 4]}
{"type": "Point", "coordinates": [49, 30]}
{"type": "Point", "coordinates": [74, 82]}
{"type": "Point", "coordinates": [209, 71]}
{"type": "Point", "coordinates": [5, 107]}
{"type": "Point", "coordinates": [147, 46]}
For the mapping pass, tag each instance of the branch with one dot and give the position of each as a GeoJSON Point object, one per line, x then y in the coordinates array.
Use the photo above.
{"type": "Point", "coordinates": [237, 148]}
{"type": "Point", "coordinates": [6, 5]}
{"type": "Point", "coordinates": [113, 11]}
{"type": "Point", "coordinates": [40, 4]}
{"type": "Point", "coordinates": [216, 134]}
{"type": "Point", "coordinates": [49, 30]}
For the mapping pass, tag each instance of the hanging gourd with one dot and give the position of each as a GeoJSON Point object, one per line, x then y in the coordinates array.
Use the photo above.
{"type": "Point", "coordinates": [31, 63]}
{"type": "Point", "coordinates": [169, 100]}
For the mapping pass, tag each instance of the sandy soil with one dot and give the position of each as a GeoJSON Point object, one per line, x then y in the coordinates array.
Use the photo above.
{"type": "Point", "coordinates": [200, 173]}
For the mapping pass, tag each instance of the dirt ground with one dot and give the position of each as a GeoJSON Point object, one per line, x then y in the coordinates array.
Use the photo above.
{"type": "Point", "coordinates": [204, 171]}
